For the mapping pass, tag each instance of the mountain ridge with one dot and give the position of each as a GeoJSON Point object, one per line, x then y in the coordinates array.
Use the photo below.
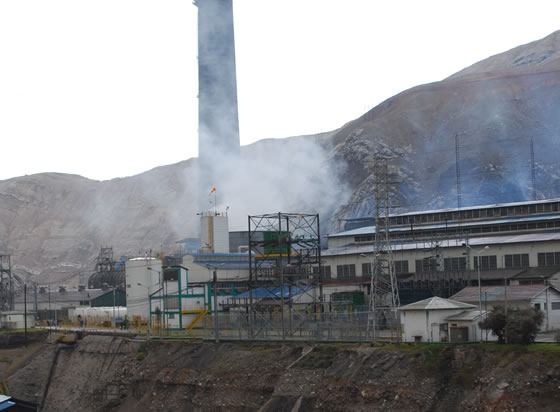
{"type": "Point", "coordinates": [53, 224]}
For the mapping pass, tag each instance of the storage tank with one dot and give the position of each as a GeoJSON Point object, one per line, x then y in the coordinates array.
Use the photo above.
{"type": "Point", "coordinates": [143, 278]}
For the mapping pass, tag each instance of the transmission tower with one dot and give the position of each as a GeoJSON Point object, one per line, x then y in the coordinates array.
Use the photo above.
{"type": "Point", "coordinates": [533, 173]}
{"type": "Point", "coordinates": [458, 170]}
{"type": "Point", "coordinates": [384, 294]}
{"type": "Point", "coordinates": [6, 283]}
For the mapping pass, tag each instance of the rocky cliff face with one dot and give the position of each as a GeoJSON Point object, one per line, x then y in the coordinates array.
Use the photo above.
{"type": "Point", "coordinates": [111, 373]}
{"type": "Point", "coordinates": [487, 116]}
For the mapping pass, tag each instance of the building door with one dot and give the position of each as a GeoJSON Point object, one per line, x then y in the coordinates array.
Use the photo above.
{"type": "Point", "coordinates": [459, 334]}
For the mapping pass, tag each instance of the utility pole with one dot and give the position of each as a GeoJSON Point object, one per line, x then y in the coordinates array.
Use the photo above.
{"type": "Point", "coordinates": [25, 311]}
{"type": "Point", "coordinates": [114, 319]}
{"type": "Point", "coordinates": [533, 172]}
{"type": "Point", "coordinates": [216, 328]}
{"type": "Point", "coordinates": [50, 314]}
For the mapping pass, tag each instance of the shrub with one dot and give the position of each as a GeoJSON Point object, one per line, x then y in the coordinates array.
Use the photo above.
{"type": "Point", "coordinates": [518, 326]}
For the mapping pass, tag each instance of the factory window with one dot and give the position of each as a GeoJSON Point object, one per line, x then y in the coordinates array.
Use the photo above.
{"type": "Point", "coordinates": [555, 306]}
{"type": "Point", "coordinates": [326, 272]}
{"type": "Point", "coordinates": [486, 262]}
{"type": "Point", "coordinates": [366, 269]}
{"type": "Point", "coordinates": [546, 207]}
{"type": "Point", "coordinates": [171, 274]}
{"type": "Point", "coordinates": [455, 264]}
{"type": "Point", "coordinates": [532, 209]}
{"type": "Point", "coordinates": [540, 208]}
{"type": "Point", "coordinates": [345, 271]}
{"type": "Point", "coordinates": [363, 238]}
{"type": "Point", "coordinates": [401, 266]}
{"type": "Point", "coordinates": [516, 261]}
{"type": "Point", "coordinates": [171, 303]}
{"type": "Point", "coordinates": [554, 207]}
{"type": "Point", "coordinates": [549, 259]}
{"type": "Point", "coordinates": [426, 265]}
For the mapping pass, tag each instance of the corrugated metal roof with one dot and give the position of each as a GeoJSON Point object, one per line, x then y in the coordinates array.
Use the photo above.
{"type": "Point", "coordinates": [467, 315]}
{"type": "Point", "coordinates": [491, 206]}
{"type": "Point", "coordinates": [368, 230]}
{"type": "Point", "coordinates": [436, 303]}
{"type": "Point", "coordinates": [498, 293]}
{"type": "Point", "coordinates": [477, 241]}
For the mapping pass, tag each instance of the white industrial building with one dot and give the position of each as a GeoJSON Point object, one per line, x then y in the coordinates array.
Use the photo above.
{"type": "Point", "coordinates": [16, 320]}
{"type": "Point", "coordinates": [442, 251]}
{"type": "Point", "coordinates": [537, 296]}
{"type": "Point", "coordinates": [440, 320]}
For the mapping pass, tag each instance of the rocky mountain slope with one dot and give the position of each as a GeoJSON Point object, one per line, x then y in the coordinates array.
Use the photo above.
{"type": "Point", "coordinates": [111, 373]}
{"type": "Point", "coordinates": [487, 116]}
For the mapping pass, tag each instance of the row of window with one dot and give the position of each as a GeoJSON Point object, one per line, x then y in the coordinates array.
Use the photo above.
{"type": "Point", "coordinates": [418, 234]}
{"type": "Point", "coordinates": [521, 210]}
{"type": "Point", "coordinates": [349, 271]}
{"type": "Point", "coordinates": [450, 264]}
{"type": "Point", "coordinates": [548, 259]}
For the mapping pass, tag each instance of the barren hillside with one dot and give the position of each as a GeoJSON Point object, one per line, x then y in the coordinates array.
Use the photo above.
{"type": "Point", "coordinates": [487, 116]}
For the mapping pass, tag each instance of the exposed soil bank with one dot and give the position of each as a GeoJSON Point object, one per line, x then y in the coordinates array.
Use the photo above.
{"type": "Point", "coordinates": [102, 373]}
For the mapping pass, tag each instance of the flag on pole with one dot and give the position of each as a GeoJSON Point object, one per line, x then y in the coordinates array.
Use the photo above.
{"type": "Point", "coordinates": [212, 191]}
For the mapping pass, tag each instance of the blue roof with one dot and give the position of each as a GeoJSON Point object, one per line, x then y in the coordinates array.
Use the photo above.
{"type": "Point", "coordinates": [274, 293]}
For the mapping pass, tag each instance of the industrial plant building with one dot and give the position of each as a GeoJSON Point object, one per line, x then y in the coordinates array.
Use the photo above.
{"type": "Point", "coordinates": [441, 251]}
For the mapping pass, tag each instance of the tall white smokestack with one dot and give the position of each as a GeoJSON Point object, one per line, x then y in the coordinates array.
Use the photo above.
{"type": "Point", "coordinates": [218, 121]}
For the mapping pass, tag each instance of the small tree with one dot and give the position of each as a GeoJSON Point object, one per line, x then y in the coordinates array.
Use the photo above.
{"type": "Point", "coordinates": [518, 326]}
{"type": "Point", "coordinates": [496, 322]}
{"type": "Point", "coordinates": [523, 325]}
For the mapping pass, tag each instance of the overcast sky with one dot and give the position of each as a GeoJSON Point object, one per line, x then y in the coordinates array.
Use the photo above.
{"type": "Point", "coordinates": [107, 88]}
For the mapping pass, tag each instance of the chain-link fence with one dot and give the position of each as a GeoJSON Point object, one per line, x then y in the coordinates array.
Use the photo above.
{"type": "Point", "coordinates": [300, 325]}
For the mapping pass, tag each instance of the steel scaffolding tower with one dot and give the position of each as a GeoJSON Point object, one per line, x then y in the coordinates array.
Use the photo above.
{"type": "Point", "coordinates": [384, 293]}
{"type": "Point", "coordinates": [284, 257]}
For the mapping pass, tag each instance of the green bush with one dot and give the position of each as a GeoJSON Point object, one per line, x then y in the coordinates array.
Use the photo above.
{"type": "Point", "coordinates": [518, 326]}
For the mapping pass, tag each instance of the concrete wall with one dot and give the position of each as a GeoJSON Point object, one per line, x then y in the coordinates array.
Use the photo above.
{"type": "Point", "coordinates": [531, 248]}
{"type": "Point", "coordinates": [16, 320]}
{"type": "Point", "coordinates": [424, 323]}
{"type": "Point", "coordinates": [545, 301]}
